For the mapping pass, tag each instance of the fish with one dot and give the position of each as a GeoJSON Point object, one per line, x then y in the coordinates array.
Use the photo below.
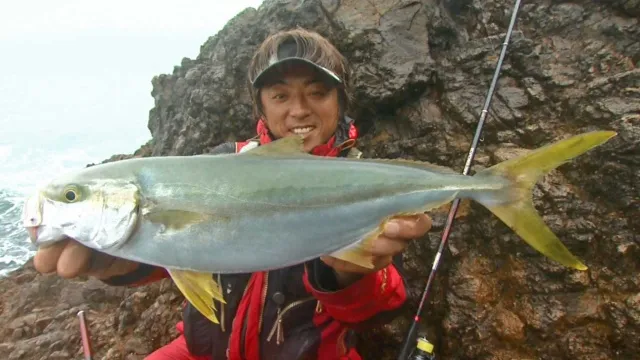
{"type": "Point", "coordinates": [276, 206]}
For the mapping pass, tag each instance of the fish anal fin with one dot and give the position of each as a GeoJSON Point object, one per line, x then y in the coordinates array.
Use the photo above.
{"type": "Point", "coordinates": [200, 290]}
{"type": "Point", "coordinates": [359, 253]}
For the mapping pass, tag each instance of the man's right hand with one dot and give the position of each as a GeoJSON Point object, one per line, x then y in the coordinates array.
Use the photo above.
{"type": "Point", "coordinates": [70, 259]}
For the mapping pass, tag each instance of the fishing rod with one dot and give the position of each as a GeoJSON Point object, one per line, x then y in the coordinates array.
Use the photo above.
{"type": "Point", "coordinates": [409, 342]}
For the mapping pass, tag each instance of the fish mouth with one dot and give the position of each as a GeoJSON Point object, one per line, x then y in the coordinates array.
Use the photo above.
{"type": "Point", "coordinates": [32, 221]}
{"type": "Point", "coordinates": [32, 216]}
{"type": "Point", "coordinates": [33, 233]}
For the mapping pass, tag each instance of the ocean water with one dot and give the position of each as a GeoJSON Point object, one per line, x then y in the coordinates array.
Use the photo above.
{"type": "Point", "coordinates": [14, 249]}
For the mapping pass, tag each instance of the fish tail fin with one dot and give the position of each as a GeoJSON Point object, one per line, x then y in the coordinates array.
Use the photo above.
{"type": "Point", "coordinates": [200, 290]}
{"type": "Point", "coordinates": [518, 212]}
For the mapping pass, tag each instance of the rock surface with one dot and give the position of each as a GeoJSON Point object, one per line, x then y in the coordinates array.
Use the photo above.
{"type": "Point", "coordinates": [421, 72]}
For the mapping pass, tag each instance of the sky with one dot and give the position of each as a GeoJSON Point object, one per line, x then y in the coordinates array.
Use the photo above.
{"type": "Point", "coordinates": [78, 73]}
{"type": "Point", "coordinates": [34, 18]}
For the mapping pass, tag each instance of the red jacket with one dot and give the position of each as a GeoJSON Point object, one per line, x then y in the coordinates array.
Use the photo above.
{"type": "Point", "coordinates": [291, 313]}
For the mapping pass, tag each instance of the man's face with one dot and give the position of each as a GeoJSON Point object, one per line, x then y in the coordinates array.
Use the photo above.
{"type": "Point", "coordinates": [297, 101]}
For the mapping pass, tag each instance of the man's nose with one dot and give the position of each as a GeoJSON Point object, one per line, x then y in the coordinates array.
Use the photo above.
{"type": "Point", "coordinates": [300, 107]}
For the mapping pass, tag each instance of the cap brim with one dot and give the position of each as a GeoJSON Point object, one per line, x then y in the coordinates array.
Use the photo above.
{"type": "Point", "coordinates": [259, 80]}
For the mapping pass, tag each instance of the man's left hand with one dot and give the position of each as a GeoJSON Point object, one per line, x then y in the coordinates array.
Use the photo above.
{"type": "Point", "coordinates": [394, 240]}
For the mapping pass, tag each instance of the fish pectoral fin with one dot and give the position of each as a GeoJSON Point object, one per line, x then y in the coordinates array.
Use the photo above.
{"type": "Point", "coordinates": [293, 144]}
{"type": "Point", "coordinates": [200, 290]}
{"type": "Point", "coordinates": [360, 252]}
{"type": "Point", "coordinates": [175, 219]}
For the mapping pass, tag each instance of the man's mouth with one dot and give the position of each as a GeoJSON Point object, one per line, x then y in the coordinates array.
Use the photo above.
{"type": "Point", "coordinates": [303, 130]}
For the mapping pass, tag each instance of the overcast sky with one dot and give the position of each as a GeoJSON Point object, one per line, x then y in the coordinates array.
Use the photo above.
{"type": "Point", "coordinates": [78, 68]}
{"type": "Point", "coordinates": [37, 17]}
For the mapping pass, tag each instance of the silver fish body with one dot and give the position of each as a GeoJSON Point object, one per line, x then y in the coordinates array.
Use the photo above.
{"type": "Point", "coordinates": [274, 206]}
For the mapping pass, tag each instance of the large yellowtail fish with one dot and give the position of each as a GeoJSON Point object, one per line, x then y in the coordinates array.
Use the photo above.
{"type": "Point", "coordinates": [275, 206]}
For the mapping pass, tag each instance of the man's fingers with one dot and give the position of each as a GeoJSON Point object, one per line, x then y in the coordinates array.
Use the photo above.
{"type": "Point", "coordinates": [74, 260]}
{"type": "Point", "coordinates": [117, 267]}
{"type": "Point", "coordinates": [344, 266]}
{"type": "Point", "coordinates": [46, 259]}
{"type": "Point", "coordinates": [408, 227]}
{"type": "Point", "coordinates": [384, 246]}
{"type": "Point", "coordinates": [99, 264]}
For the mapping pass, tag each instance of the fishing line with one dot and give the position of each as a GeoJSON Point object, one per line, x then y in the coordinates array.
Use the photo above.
{"type": "Point", "coordinates": [410, 338]}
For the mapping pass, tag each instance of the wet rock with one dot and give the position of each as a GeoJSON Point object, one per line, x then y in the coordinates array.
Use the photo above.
{"type": "Point", "coordinates": [18, 354]}
{"type": "Point", "coordinates": [59, 355]}
{"type": "Point", "coordinates": [508, 326]}
{"type": "Point", "coordinates": [42, 322]}
{"type": "Point", "coordinates": [18, 334]}
{"type": "Point", "coordinates": [6, 348]}
{"type": "Point", "coordinates": [137, 346]}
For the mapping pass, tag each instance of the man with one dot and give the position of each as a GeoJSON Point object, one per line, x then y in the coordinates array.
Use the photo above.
{"type": "Point", "coordinates": [299, 85]}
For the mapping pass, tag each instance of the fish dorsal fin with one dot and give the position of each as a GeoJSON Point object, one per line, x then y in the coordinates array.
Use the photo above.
{"type": "Point", "coordinates": [289, 145]}
{"type": "Point", "coordinates": [200, 290]}
{"type": "Point", "coordinates": [414, 163]}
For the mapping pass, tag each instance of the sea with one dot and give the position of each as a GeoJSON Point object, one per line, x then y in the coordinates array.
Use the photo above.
{"type": "Point", "coordinates": [69, 102]}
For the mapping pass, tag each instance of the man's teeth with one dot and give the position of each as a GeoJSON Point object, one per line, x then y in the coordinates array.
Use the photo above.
{"type": "Point", "coordinates": [303, 130]}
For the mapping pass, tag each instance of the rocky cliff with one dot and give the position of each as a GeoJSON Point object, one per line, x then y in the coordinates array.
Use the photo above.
{"type": "Point", "coordinates": [421, 71]}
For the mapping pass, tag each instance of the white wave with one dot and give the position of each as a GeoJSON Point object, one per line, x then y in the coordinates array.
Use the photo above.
{"type": "Point", "coordinates": [15, 246]}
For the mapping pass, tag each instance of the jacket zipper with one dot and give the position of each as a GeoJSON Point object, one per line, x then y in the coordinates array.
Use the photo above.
{"type": "Point", "coordinates": [263, 300]}
{"type": "Point", "coordinates": [221, 305]}
{"type": "Point", "coordinates": [342, 341]}
{"type": "Point", "coordinates": [277, 326]}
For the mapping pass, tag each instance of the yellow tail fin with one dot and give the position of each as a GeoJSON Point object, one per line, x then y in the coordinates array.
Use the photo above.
{"type": "Point", "coordinates": [519, 213]}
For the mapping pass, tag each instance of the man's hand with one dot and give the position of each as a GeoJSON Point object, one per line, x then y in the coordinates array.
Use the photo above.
{"type": "Point", "coordinates": [71, 259]}
{"type": "Point", "coordinates": [395, 239]}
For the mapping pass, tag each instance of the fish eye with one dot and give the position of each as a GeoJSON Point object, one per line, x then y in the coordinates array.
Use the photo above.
{"type": "Point", "coordinates": [71, 194]}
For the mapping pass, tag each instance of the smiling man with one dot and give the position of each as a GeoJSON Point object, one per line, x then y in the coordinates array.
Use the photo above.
{"type": "Point", "coordinates": [299, 85]}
